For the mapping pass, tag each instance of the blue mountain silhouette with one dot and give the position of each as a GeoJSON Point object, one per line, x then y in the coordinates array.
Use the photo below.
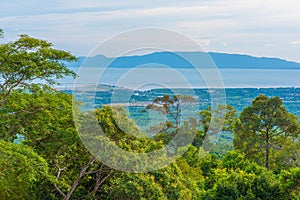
{"type": "Point", "coordinates": [187, 60]}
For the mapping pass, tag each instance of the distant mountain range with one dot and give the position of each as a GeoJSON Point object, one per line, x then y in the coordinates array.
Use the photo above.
{"type": "Point", "coordinates": [187, 60]}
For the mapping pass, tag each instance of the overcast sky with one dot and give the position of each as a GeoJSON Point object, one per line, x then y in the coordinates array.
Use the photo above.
{"type": "Point", "coordinates": [268, 28]}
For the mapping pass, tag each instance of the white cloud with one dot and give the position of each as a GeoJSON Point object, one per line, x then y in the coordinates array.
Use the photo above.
{"type": "Point", "coordinates": [253, 27]}
{"type": "Point", "coordinates": [295, 43]}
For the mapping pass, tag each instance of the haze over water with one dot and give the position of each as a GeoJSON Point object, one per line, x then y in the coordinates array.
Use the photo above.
{"type": "Point", "coordinates": [149, 78]}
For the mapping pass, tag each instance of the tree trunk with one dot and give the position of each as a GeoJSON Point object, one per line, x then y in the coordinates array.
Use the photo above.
{"type": "Point", "coordinates": [81, 174]}
{"type": "Point", "coordinates": [99, 181]}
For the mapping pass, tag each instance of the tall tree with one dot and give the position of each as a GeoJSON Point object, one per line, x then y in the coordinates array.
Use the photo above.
{"type": "Point", "coordinates": [225, 117]}
{"type": "Point", "coordinates": [30, 106]}
{"type": "Point", "coordinates": [264, 128]}
{"type": "Point", "coordinates": [229, 120]}
{"type": "Point", "coordinates": [172, 106]}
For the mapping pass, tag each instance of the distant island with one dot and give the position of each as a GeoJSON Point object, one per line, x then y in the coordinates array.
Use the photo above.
{"type": "Point", "coordinates": [181, 60]}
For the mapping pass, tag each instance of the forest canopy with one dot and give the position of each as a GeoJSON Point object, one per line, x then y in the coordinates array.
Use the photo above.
{"type": "Point", "coordinates": [51, 161]}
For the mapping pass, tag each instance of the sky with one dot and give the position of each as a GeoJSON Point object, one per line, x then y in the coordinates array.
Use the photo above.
{"type": "Point", "coordinates": [268, 28]}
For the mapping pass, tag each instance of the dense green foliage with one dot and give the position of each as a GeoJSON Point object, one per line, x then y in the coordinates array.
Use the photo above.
{"type": "Point", "coordinates": [28, 62]}
{"type": "Point", "coordinates": [52, 162]}
{"type": "Point", "coordinates": [23, 171]}
{"type": "Point", "coordinates": [266, 130]}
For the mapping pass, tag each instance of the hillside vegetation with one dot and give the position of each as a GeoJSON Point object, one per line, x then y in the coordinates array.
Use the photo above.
{"type": "Point", "coordinates": [51, 161]}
